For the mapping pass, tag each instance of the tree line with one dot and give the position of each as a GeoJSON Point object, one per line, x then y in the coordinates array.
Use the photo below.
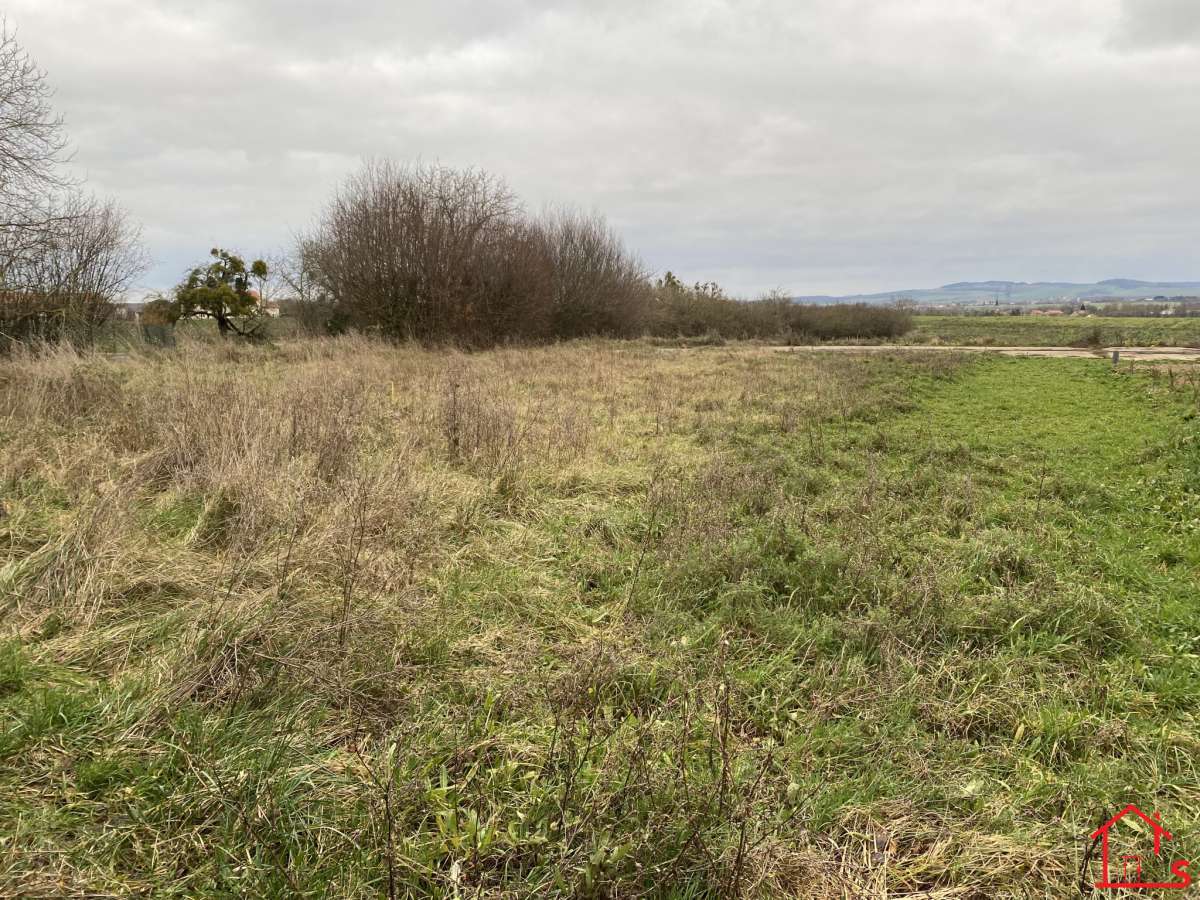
{"type": "Point", "coordinates": [434, 253]}
{"type": "Point", "coordinates": [65, 255]}
{"type": "Point", "coordinates": [407, 252]}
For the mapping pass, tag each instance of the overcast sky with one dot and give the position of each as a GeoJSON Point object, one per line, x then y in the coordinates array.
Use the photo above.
{"type": "Point", "coordinates": [819, 146]}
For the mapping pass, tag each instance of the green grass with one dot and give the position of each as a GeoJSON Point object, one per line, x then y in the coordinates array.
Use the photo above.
{"type": "Point", "coordinates": [1038, 331]}
{"type": "Point", "coordinates": [706, 623]}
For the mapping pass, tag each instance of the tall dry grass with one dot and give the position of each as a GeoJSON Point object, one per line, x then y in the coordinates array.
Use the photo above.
{"type": "Point", "coordinates": [446, 576]}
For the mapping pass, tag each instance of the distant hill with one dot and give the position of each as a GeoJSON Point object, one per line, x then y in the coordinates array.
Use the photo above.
{"type": "Point", "coordinates": [974, 292]}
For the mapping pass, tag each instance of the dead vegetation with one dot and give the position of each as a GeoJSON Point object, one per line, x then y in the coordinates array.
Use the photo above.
{"type": "Point", "coordinates": [337, 617]}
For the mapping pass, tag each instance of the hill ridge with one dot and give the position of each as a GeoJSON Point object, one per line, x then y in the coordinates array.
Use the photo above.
{"type": "Point", "coordinates": [1022, 291]}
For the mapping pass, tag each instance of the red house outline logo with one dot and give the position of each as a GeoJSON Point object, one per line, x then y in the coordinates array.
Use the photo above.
{"type": "Point", "coordinates": [1177, 868]}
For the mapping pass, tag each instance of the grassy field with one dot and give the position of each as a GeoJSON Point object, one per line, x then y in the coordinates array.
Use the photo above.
{"type": "Point", "coordinates": [335, 619]}
{"type": "Point", "coordinates": [1038, 331]}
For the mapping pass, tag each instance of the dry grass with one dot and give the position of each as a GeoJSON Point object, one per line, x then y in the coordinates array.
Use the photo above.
{"type": "Point", "coordinates": [341, 618]}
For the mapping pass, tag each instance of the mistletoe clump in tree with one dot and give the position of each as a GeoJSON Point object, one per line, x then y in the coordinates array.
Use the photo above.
{"type": "Point", "coordinates": [224, 290]}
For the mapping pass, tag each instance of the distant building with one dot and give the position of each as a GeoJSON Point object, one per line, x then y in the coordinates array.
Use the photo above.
{"type": "Point", "coordinates": [128, 312]}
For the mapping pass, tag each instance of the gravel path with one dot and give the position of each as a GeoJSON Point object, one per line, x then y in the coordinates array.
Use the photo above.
{"type": "Point", "coordinates": [1180, 354]}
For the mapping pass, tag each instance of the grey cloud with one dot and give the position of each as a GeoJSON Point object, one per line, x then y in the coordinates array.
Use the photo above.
{"type": "Point", "coordinates": [1158, 24]}
{"type": "Point", "coordinates": [829, 146]}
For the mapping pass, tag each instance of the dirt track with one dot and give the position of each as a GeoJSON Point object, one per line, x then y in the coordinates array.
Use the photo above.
{"type": "Point", "coordinates": [1179, 354]}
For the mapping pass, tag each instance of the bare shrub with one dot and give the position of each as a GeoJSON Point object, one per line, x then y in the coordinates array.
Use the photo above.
{"type": "Point", "coordinates": [443, 255]}
{"type": "Point", "coordinates": [849, 320]}
{"type": "Point", "coordinates": [704, 311]}
{"type": "Point", "coordinates": [438, 254]}
{"type": "Point", "coordinates": [599, 288]}
{"type": "Point", "coordinates": [1093, 337]}
{"type": "Point", "coordinates": [399, 250]}
{"type": "Point", "coordinates": [478, 428]}
{"type": "Point", "coordinates": [89, 256]}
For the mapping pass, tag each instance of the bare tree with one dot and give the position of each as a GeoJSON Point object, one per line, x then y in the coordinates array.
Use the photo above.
{"type": "Point", "coordinates": [599, 287]}
{"type": "Point", "coordinates": [437, 253]}
{"type": "Point", "coordinates": [32, 142]}
{"type": "Point", "coordinates": [297, 287]}
{"type": "Point", "coordinates": [85, 262]}
{"type": "Point", "coordinates": [64, 257]}
{"type": "Point", "coordinates": [397, 246]}
{"type": "Point", "coordinates": [32, 145]}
